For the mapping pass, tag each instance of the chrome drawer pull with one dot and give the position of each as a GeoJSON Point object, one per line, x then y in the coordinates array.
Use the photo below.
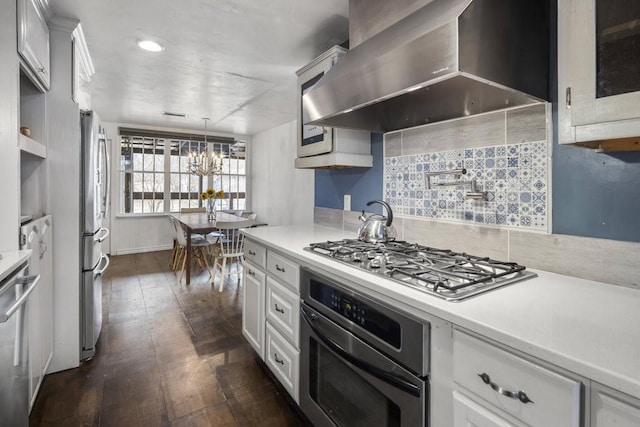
{"type": "Point", "coordinates": [279, 310]}
{"type": "Point", "coordinates": [280, 361]}
{"type": "Point", "coordinates": [252, 253]}
{"type": "Point", "coordinates": [520, 395]}
{"type": "Point", "coordinates": [251, 273]}
{"type": "Point", "coordinates": [280, 269]}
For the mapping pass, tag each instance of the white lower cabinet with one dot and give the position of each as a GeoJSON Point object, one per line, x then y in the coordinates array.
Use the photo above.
{"type": "Point", "coordinates": [253, 307]}
{"type": "Point", "coordinates": [284, 361]}
{"type": "Point", "coordinates": [613, 409]}
{"type": "Point", "coordinates": [271, 312]}
{"type": "Point", "coordinates": [467, 413]}
{"type": "Point", "coordinates": [514, 388]}
{"type": "Point", "coordinates": [40, 307]}
{"type": "Point", "coordinates": [35, 342]}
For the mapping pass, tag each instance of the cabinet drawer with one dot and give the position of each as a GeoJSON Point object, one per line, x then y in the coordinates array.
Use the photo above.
{"type": "Point", "coordinates": [283, 311]}
{"type": "Point", "coordinates": [255, 253]}
{"type": "Point", "coordinates": [283, 360]}
{"type": "Point", "coordinates": [466, 412]}
{"type": "Point", "coordinates": [554, 399]}
{"type": "Point", "coordinates": [611, 408]}
{"type": "Point", "coordinates": [287, 272]}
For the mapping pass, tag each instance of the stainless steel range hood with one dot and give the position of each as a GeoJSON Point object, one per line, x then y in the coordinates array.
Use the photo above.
{"type": "Point", "coordinates": [449, 59]}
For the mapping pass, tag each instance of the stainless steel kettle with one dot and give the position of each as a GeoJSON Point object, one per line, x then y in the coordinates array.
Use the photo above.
{"type": "Point", "coordinates": [377, 228]}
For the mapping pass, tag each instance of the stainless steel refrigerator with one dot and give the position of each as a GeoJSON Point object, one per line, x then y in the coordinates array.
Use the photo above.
{"type": "Point", "coordinates": [95, 201]}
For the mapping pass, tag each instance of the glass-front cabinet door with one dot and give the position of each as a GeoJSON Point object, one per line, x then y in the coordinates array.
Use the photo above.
{"type": "Point", "coordinates": [599, 54]}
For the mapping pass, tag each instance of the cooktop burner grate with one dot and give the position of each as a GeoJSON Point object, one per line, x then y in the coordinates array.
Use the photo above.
{"type": "Point", "coordinates": [441, 272]}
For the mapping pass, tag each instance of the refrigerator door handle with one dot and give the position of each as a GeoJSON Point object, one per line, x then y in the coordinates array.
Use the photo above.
{"type": "Point", "coordinates": [106, 187]}
{"type": "Point", "coordinates": [106, 265]}
{"type": "Point", "coordinates": [100, 237]}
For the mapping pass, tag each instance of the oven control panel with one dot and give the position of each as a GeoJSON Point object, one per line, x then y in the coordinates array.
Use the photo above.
{"type": "Point", "coordinates": [357, 312]}
{"type": "Point", "coordinates": [349, 308]}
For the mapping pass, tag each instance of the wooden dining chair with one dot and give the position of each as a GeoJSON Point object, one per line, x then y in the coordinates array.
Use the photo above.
{"type": "Point", "coordinates": [176, 246]}
{"type": "Point", "coordinates": [230, 247]}
{"type": "Point", "coordinates": [200, 250]}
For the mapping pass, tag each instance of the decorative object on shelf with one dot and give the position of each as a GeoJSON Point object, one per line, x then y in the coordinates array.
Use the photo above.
{"type": "Point", "coordinates": [205, 163]}
{"type": "Point", "coordinates": [25, 131]}
{"type": "Point", "coordinates": [210, 196]}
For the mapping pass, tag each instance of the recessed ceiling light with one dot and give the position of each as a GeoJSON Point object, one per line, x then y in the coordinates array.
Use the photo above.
{"type": "Point", "coordinates": [150, 45]}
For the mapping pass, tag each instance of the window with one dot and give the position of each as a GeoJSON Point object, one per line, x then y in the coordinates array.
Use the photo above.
{"type": "Point", "coordinates": [155, 176]}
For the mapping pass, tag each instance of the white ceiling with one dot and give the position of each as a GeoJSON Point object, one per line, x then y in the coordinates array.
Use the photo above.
{"type": "Point", "coordinates": [231, 61]}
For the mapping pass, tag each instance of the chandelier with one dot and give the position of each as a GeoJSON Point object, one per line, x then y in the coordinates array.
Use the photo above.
{"type": "Point", "coordinates": [205, 163]}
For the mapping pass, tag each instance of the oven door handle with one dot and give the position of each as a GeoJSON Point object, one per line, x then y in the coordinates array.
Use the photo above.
{"type": "Point", "coordinates": [388, 377]}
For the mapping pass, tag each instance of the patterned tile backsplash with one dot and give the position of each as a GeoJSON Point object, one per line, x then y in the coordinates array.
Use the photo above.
{"type": "Point", "coordinates": [514, 176]}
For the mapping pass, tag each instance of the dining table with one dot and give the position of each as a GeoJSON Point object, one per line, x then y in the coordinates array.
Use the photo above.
{"type": "Point", "coordinates": [198, 223]}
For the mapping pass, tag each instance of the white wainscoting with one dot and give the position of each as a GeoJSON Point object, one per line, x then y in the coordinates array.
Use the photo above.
{"type": "Point", "coordinates": [132, 234]}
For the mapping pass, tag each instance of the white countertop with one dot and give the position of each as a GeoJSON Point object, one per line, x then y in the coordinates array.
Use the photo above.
{"type": "Point", "coordinates": [586, 327]}
{"type": "Point", "coordinates": [11, 260]}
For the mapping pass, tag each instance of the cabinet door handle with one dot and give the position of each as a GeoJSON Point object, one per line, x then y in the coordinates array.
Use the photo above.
{"type": "Point", "coordinates": [519, 395]}
{"type": "Point", "coordinates": [280, 269]}
{"type": "Point", "coordinates": [280, 361]}
{"type": "Point", "coordinates": [251, 272]}
{"type": "Point", "coordinates": [252, 253]}
{"type": "Point", "coordinates": [279, 310]}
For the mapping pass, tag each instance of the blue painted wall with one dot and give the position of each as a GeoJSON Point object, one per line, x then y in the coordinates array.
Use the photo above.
{"type": "Point", "coordinates": [594, 194]}
{"type": "Point", "coordinates": [364, 184]}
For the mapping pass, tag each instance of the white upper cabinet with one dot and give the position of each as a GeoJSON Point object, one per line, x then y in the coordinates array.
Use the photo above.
{"type": "Point", "coordinates": [598, 69]}
{"type": "Point", "coordinates": [33, 43]}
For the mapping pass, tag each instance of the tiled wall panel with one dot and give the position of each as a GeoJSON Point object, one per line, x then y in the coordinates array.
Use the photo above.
{"type": "Point", "coordinates": [514, 175]}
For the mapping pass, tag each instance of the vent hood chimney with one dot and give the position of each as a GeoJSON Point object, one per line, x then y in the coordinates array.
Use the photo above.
{"type": "Point", "coordinates": [448, 59]}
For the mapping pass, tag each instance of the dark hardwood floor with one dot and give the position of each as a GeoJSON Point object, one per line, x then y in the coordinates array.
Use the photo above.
{"type": "Point", "coordinates": [168, 355]}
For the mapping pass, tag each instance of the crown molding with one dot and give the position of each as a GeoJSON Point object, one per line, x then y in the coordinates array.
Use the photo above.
{"type": "Point", "coordinates": [83, 51]}
{"type": "Point", "coordinates": [63, 23]}
{"type": "Point", "coordinates": [45, 8]}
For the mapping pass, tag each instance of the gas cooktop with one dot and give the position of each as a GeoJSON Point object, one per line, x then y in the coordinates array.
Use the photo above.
{"type": "Point", "coordinates": [444, 273]}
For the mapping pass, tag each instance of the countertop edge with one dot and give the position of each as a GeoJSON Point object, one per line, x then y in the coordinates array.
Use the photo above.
{"type": "Point", "coordinates": [12, 259]}
{"type": "Point", "coordinates": [408, 300]}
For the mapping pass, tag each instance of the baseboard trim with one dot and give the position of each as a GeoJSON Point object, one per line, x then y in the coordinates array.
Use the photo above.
{"type": "Point", "coordinates": [130, 251]}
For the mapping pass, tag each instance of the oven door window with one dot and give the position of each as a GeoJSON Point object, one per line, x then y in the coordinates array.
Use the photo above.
{"type": "Point", "coordinates": [344, 395]}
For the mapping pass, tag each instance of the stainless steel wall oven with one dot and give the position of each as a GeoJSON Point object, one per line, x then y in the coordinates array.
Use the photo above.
{"type": "Point", "coordinates": [362, 363]}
